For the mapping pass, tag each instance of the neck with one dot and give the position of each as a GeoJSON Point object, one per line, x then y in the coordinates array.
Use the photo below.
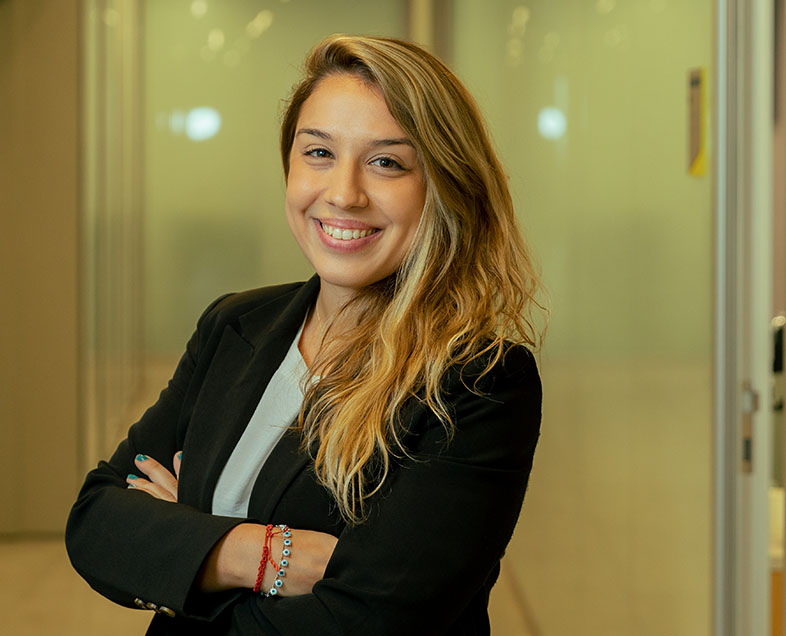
{"type": "Point", "coordinates": [329, 302]}
{"type": "Point", "coordinates": [331, 299]}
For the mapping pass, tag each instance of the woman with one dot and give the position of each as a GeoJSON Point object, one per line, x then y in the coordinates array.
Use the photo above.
{"type": "Point", "coordinates": [401, 363]}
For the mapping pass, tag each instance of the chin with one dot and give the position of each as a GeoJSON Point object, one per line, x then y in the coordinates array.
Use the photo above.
{"type": "Point", "coordinates": [349, 281]}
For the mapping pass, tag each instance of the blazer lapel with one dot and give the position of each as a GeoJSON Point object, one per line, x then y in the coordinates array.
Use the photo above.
{"type": "Point", "coordinates": [282, 466]}
{"type": "Point", "coordinates": [241, 369]}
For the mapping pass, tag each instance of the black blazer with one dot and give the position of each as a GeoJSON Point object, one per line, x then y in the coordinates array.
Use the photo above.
{"type": "Point", "coordinates": [423, 563]}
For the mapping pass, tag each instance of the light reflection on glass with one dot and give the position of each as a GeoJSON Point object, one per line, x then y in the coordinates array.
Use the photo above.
{"type": "Point", "coordinates": [552, 123]}
{"type": "Point", "coordinates": [260, 23]}
{"type": "Point", "coordinates": [197, 124]}
{"type": "Point", "coordinates": [516, 29]}
{"type": "Point", "coordinates": [198, 8]}
{"type": "Point", "coordinates": [521, 15]}
{"type": "Point", "coordinates": [177, 121]}
{"type": "Point", "coordinates": [215, 39]}
{"type": "Point", "coordinates": [202, 123]}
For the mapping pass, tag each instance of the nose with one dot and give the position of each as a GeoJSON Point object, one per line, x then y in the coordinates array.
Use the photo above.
{"type": "Point", "coordinates": [345, 186]}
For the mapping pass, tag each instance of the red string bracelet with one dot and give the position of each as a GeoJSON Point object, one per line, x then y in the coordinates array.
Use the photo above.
{"type": "Point", "coordinates": [266, 558]}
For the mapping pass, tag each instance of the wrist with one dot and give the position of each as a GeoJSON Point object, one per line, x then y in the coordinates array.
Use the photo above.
{"type": "Point", "coordinates": [245, 562]}
{"type": "Point", "coordinates": [274, 560]}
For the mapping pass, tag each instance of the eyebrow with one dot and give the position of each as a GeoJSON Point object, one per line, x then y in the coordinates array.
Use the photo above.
{"type": "Point", "coordinates": [397, 141]}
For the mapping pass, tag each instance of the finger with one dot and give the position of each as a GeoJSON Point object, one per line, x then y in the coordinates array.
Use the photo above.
{"type": "Point", "coordinates": [157, 473]}
{"type": "Point", "coordinates": [139, 483]}
{"type": "Point", "coordinates": [176, 463]}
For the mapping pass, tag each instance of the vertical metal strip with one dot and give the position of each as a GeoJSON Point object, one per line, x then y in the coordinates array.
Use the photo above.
{"type": "Point", "coordinates": [724, 368]}
{"type": "Point", "coordinates": [758, 371]}
{"type": "Point", "coordinates": [743, 268]}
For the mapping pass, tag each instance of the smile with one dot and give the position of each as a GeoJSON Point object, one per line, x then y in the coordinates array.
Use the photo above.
{"type": "Point", "coordinates": [346, 234]}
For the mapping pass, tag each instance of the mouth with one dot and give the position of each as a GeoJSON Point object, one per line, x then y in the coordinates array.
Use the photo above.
{"type": "Point", "coordinates": [346, 233]}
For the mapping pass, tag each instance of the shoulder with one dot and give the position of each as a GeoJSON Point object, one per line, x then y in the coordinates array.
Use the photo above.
{"type": "Point", "coordinates": [515, 370]}
{"type": "Point", "coordinates": [228, 308]}
{"type": "Point", "coordinates": [495, 412]}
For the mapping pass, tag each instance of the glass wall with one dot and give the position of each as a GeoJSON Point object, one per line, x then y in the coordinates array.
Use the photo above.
{"type": "Point", "coordinates": [589, 102]}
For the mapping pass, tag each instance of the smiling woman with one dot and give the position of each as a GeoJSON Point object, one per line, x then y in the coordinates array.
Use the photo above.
{"type": "Point", "coordinates": [355, 188]}
{"type": "Point", "coordinates": [347, 455]}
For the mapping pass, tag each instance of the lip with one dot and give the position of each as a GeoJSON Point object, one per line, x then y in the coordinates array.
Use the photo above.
{"type": "Point", "coordinates": [346, 224]}
{"type": "Point", "coordinates": [340, 245]}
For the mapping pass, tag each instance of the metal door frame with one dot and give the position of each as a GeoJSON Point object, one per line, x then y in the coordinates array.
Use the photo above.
{"type": "Point", "coordinates": [743, 270]}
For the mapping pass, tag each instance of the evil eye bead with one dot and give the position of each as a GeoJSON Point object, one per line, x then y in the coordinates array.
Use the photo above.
{"type": "Point", "coordinates": [284, 563]}
{"type": "Point", "coordinates": [282, 573]}
{"type": "Point", "coordinates": [287, 541]}
{"type": "Point", "coordinates": [279, 583]}
{"type": "Point", "coordinates": [273, 591]}
{"type": "Point", "coordinates": [286, 552]}
{"type": "Point", "coordinates": [287, 534]}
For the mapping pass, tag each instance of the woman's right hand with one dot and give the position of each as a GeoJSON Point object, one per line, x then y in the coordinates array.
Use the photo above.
{"type": "Point", "coordinates": [234, 560]}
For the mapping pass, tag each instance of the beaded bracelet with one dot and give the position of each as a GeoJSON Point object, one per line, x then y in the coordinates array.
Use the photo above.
{"type": "Point", "coordinates": [286, 551]}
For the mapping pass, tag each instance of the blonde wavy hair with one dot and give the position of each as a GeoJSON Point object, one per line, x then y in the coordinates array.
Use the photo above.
{"type": "Point", "coordinates": [465, 291]}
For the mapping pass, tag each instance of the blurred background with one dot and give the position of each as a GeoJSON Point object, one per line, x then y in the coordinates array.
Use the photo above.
{"type": "Point", "coordinates": [140, 178]}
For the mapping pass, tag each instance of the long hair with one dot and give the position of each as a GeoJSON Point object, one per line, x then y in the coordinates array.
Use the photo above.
{"type": "Point", "coordinates": [465, 290]}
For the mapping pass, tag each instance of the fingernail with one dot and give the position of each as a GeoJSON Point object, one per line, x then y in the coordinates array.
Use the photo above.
{"type": "Point", "coordinates": [141, 458]}
{"type": "Point", "coordinates": [180, 455]}
{"type": "Point", "coordinates": [130, 476]}
{"type": "Point", "coordinates": [131, 486]}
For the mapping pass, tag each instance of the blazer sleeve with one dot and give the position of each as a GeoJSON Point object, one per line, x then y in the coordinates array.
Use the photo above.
{"type": "Point", "coordinates": [436, 534]}
{"type": "Point", "coordinates": [114, 533]}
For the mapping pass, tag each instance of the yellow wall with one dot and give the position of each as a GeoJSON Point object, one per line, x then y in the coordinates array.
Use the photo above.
{"type": "Point", "coordinates": [38, 263]}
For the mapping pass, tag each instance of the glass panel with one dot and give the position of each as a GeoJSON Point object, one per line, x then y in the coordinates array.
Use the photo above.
{"type": "Point", "coordinates": [216, 73]}
{"type": "Point", "coordinates": [589, 103]}
{"type": "Point", "coordinates": [111, 249]}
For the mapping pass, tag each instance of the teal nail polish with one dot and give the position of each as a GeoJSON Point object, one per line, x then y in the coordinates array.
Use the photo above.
{"type": "Point", "coordinates": [131, 486]}
{"type": "Point", "coordinates": [180, 455]}
{"type": "Point", "coordinates": [130, 476]}
{"type": "Point", "coordinates": [141, 458]}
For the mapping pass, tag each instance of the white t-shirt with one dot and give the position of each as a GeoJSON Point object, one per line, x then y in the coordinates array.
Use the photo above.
{"type": "Point", "coordinates": [275, 412]}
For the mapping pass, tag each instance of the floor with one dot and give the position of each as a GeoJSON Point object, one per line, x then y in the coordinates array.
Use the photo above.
{"type": "Point", "coordinates": [41, 594]}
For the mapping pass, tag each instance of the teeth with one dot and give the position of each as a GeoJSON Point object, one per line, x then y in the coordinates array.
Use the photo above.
{"type": "Point", "coordinates": [344, 234]}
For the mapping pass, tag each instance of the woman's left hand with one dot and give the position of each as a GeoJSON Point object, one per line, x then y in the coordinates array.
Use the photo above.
{"type": "Point", "coordinates": [160, 482]}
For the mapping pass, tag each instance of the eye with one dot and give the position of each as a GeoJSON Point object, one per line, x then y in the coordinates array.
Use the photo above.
{"type": "Point", "coordinates": [387, 162]}
{"type": "Point", "coordinates": [318, 153]}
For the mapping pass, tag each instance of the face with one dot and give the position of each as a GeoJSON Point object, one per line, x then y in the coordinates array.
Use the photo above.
{"type": "Point", "coordinates": [355, 190]}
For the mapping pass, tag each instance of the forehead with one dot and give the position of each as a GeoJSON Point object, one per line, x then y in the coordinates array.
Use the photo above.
{"type": "Point", "coordinates": [348, 105]}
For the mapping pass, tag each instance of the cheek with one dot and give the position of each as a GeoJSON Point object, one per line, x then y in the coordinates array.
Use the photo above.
{"type": "Point", "coordinates": [301, 191]}
{"type": "Point", "coordinates": [412, 209]}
